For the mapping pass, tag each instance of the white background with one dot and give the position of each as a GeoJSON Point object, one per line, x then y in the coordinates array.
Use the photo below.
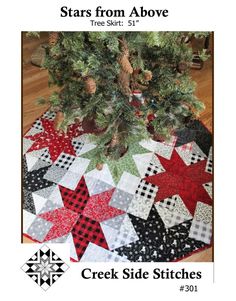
{"type": "Point", "coordinates": [17, 16]}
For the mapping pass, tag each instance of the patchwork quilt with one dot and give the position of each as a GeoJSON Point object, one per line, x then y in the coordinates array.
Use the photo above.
{"type": "Point", "coordinates": [154, 204]}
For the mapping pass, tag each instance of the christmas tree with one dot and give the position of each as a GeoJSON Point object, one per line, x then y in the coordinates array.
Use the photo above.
{"type": "Point", "coordinates": [132, 85]}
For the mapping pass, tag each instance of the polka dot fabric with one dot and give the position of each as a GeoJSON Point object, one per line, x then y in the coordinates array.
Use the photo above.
{"type": "Point", "coordinates": [34, 180]}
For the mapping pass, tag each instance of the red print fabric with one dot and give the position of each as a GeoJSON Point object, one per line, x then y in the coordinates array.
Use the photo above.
{"type": "Point", "coordinates": [63, 221]}
{"type": "Point", "coordinates": [98, 208]}
{"type": "Point", "coordinates": [56, 141]}
{"type": "Point", "coordinates": [181, 179]}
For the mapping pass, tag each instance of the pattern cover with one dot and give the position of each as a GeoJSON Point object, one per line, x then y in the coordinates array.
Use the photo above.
{"type": "Point", "coordinates": [155, 204]}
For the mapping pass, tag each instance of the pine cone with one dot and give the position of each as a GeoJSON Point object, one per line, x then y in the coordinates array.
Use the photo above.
{"type": "Point", "coordinates": [38, 56]}
{"type": "Point", "coordinates": [182, 66]}
{"type": "Point", "coordinates": [53, 38]}
{"type": "Point", "coordinates": [58, 120]}
{"type": "Point", "coordinates": [125, 64]}
{"type": "Point", "coordinates": [99, 166]}
{"type": "Point", "coordinates": [147, 75]}
{"type": "Point", "coordinates": [90, 85]}
{"type": "Point", "coordinates": [124, 82]}
{"type": "Point", "coordinates": [114, 140]}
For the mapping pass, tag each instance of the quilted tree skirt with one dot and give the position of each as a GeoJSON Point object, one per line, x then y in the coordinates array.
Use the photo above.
{"type": "Point", "coordinates": [154, 204]}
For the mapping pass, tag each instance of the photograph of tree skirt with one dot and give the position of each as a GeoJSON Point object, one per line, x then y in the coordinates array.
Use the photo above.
{"type": "Point", "coordinates": [158, 207]}
{"type": "Point", "coordinates": [119, 165]}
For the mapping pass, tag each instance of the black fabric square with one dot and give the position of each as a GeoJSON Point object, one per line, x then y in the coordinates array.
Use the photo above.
{"type": "Point", "coordinates": [33, 180]}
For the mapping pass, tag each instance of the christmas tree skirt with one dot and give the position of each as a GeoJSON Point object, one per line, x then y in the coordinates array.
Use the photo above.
{"type": "Point", "coordinates": [154, 204]}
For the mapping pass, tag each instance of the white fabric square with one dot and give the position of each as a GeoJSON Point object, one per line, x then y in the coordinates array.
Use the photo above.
{"type": "Point", "coordinates": [140, 207]}
{"type": "Point", "coordinates": [28, 219]}
{"type": "Point", "coordinates": [185, 154]}
{"type": "Point", "coordinates": [173, 211]}
{"type": "Point", "coordinates": [96, 186]}
{"type": "Point", "coordinates": [149, 144]}
{"type": "Point", "coordinates": [39, 201]}
{"type": "Point", "coordinates": [128, 182]}
{"type": "Point", "coordinates": [203, 213]}
{"type": "Point", "coordinates": [94, 253]}
{"type": "Point", "coordinates": [86, 148]}
{"type": "Point", "coordinates": [73, 253]}
{"type": "Point", "coordinates": [110, 234]}
{"type": "Point", "coordinates": [70, 180]}
{"type": "Point", "coordinates": [122, 235]}
{"type": "Point", "coordinates": [55, 196]}
{"type": "Point", "coordinates": [30, 161]}
{"type": "Point", "coordinates": [201, 231]}
{"type": "Point", "coordinates": [79, 165]}
{"type": "Point", "coordinates": [163, 149]}
{"type": "Point", "coordinates": [102, 175]}
{"type": "Point", "coordinates": [142, 161]}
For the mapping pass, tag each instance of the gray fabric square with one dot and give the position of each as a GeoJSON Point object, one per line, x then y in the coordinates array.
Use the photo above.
{"type": "Point", "coordinates": [39, 229]}
{"type": "Point", "coordinates": [49, 206]}
{"type": "Point", "coordinates": [46, 192]}
{"type": "Point", "coordinates": [115, 222]}
{"type": "Point", "coordinates": [55, 174]}
{"type": "Point", "coordinates": [121, 199]}
{"type": "Point", "coordinates": [100, 187]}
{"type": "Point", "coordinates": [27, 143]}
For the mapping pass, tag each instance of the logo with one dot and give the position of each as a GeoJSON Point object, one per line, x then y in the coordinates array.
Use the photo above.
{"type": "Point", "coordinates": [45, 267]}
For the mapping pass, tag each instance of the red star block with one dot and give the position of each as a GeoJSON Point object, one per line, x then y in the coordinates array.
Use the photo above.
{"type": "Point", "coordinates": [75, 200]}
{"type": "Point", "coordinates": [98, 209]}
{"type": "Point", "coordinates": [56, 141]}
{"type": "Point", "coordinates": [87, 230]}
{"type": "Point", "coordinates": [184, 180]}
{"type": "Point", "coordinates": [63, 221]}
